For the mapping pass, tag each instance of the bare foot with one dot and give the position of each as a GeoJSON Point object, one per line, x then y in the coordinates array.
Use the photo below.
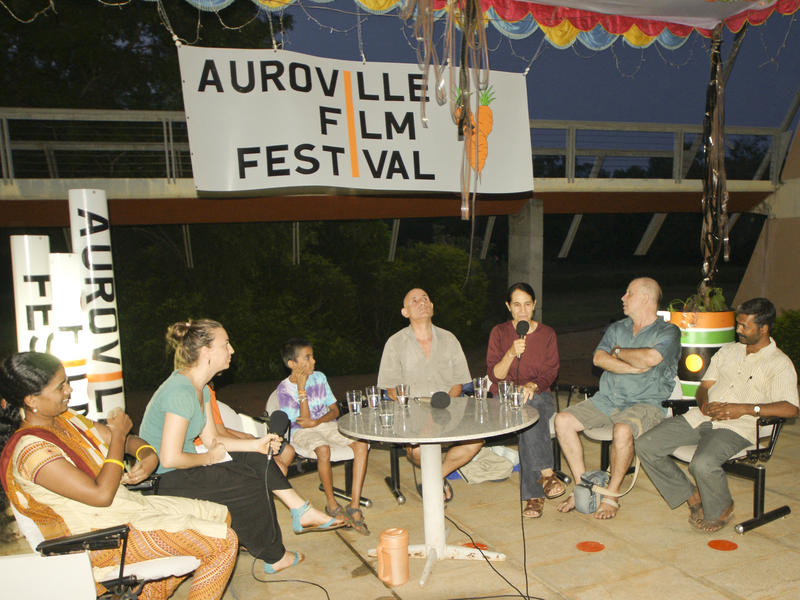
{"type": "Point", "coordinates": [567, 505]}
{"type": "Point", "coordinates": [607, 509]}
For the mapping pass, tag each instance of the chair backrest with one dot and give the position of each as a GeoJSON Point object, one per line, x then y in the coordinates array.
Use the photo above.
{"type": "Point", "coordinates": [272, 402]}
{"type": "Point", "coordinates": [240, 421]}
{"type": "Point", "coordinates": [28, 528]}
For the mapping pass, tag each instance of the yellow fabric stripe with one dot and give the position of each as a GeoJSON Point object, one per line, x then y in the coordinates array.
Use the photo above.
{"type": "Point", "coordinates": [635, 37]}
{"type": "Point", "coordinates": [562, 35]}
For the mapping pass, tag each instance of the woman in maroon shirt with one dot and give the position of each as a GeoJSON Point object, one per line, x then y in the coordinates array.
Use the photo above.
{"type": "Point", "coordinates": [530, 361]}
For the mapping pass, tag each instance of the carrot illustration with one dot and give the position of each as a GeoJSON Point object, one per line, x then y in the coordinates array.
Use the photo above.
{"type": "Point", "coordinates": [477, 138]}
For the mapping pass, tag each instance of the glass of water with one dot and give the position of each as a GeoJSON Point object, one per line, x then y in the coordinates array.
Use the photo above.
{"type": "Point", "coordinates": [373, 396]}
{"type": "Point", "coordinates": [481, 386]}
{"type": "Point", "coordinates": [354, 401]}
{"type": "Point", "coordinates": [504, 389]}
{"type": "Point", "coordinates": [517, 398]}
{"type": "Point", "coordinates": [386, 414]}
{"type": "Point", "coordinates": [402, 390]}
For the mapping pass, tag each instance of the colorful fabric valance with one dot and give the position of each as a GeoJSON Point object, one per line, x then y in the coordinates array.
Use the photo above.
{"type": "Point", "coordinates": [594, 23]}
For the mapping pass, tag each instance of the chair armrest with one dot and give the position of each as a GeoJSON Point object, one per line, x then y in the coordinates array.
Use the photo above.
{"type": "Point", "coordinates": [100, 539]}
{"type": "Point", "coordinates": [678, 406]}
{"type": "Point", "coordinates": [148, 486]}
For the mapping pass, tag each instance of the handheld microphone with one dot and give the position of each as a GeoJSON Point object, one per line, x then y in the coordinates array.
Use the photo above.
{"type": "Point", "coordinates": [440, 400]}
{"type": "Point", "coordinates": [278, 424]}
{"type": "Point", "coordinates": [522, 329]}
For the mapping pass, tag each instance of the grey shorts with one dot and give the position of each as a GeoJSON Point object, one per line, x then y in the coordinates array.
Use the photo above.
{"type": "Point", "coordinates": [639, 417]}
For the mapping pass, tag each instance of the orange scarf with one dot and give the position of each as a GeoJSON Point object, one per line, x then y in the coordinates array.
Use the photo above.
{"type": "Point", "coordinates": [75, 435]}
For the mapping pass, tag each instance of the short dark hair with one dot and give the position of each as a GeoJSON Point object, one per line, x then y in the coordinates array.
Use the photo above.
{"type": "Point", "coordinates": [522, 286]}
{"type": "Point", "coordinates": [762, 309]}
{"type": "Point", "coordinates": [291, 347]}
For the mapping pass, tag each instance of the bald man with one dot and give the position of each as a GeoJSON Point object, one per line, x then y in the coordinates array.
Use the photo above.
{"type": "Point", "coordinates": [639, 357]}
{"type": "Point", "coordinates": [429, 359]}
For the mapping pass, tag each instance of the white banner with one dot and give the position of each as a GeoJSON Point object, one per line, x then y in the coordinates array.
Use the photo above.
{"type": "Point", "coordinates": [33, 298]}
{"type": "Point", "coordinates": [91, 241]}
{"type": "Point", "coordinates": [261, 120]}
{"type": "Point", "coordinates": [70, 327]}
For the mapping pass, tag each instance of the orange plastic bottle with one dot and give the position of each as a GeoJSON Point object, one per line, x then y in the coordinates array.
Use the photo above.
{"type": "Point", "coordinates": [393, 556]}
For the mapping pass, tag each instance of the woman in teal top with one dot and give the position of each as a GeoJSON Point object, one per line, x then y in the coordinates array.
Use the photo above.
{"type": "Point", "coordinates": [235, 472]}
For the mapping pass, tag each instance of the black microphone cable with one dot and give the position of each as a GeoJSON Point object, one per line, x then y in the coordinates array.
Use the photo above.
{"type": "Point", "coordinates": [519, 593]}
{"type": "Point", "coordinates": [270, 505]}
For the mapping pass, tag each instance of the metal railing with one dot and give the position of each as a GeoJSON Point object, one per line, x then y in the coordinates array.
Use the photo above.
{"type": "Point", "coordinates": [112, 144]}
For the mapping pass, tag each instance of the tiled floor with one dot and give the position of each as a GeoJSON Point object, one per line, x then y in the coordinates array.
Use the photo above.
{"type": "Point", "coordinates": [650, 551]}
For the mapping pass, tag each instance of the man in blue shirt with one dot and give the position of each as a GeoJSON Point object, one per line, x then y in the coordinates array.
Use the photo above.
{"type": "Point", "coordinates": [639, 356]}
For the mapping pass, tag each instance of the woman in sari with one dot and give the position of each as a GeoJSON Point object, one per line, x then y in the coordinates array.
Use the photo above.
{"type": "Point", "coordinates": [65, 472]}
{"type": "Point", "coordinates": [238, 473]}
{"type": "Point", "coordinates": [531, 362]}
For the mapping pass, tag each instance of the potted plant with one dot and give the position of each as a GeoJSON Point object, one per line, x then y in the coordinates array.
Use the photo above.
{"type": "Point", "coordinates": [706, 323]}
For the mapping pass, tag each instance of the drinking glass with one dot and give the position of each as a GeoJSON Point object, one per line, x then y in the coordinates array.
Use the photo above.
{"type": "Point", "coordinates": [517, 397]}
{"type": "Point", "coordinates": [386, 414]}
{"type": "Point", "coordinates": [402, 390]}
{"type": "Point", "coordinates": [505, 388]}
{"type": "Point", "coordinates": [373, 395]}
{"type": "Point", "coordinates": [354, 401]}
{"type": "Point", "coordinates": [481, 386]}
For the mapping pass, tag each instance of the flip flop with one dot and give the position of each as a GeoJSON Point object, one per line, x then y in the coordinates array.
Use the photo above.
{"type": "Point", "coordinates": [298, 558]}
{"type": "Point", "coordinates": [298, 528]}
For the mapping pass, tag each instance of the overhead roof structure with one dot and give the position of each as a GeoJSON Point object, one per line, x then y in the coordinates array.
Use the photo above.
{"type": "Point", "coordinates": [595, 23]}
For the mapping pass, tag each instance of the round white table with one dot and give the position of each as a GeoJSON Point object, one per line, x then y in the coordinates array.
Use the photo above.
{"type": "Point", "coordinates": [418, 423]}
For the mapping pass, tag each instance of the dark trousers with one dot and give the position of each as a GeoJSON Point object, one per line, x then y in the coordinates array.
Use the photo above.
{"type": "Point", "coordinates": [240, 485]}
{"type": "Point", "coordinates": [535, 447]}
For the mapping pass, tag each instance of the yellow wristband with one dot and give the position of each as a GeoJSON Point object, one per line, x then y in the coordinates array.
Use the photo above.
{"type": "Point", "coordinates": [142, 447]}
{"type": "Point", "coordinates": [114, 461]}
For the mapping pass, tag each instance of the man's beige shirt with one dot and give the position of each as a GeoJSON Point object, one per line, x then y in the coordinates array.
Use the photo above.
{"type": "Point", "coordinates": [739, 378]}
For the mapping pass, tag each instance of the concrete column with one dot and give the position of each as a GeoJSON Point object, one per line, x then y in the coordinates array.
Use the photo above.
{"type": "Point", "coordinates": [526, 249]}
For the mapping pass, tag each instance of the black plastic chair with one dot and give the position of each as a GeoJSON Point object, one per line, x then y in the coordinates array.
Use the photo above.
{"type": "Point", "coordinates": [750, 465]}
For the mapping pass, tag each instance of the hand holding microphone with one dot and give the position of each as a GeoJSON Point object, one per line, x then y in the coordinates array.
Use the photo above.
{"type": "Point", "coordinates": [278, 424]}
{"type": "Point", "coordinates": [519, 345]}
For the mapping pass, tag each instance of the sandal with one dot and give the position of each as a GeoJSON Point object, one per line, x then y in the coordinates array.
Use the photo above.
{"type": "Point", "coordinates": [298, 528]}
{"type": "Point", "coordinates": [533, 509]}
{"type": "Point", "coordinates": [338, 513]}
{"type": "Point", "coordinates": [696, 515]}
{"type": "Point", "coordinates": [448, 491]}
{"type": "Point", "coordinates": [298, 558]}
{"type": "Point", "coordinates": [712, 526]}
{"type": "Point", "coordinates": [357, 523]}
{"type": "Point", "coordinates": [553, 487]}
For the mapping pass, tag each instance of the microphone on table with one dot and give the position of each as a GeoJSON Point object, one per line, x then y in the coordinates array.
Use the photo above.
{"type": "Point", "coordinates": [440, 400]}
{"type": "Point", "coordinates": [278, 424]}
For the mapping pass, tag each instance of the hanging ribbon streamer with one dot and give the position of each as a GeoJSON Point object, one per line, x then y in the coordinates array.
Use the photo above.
{"type": "Point", "coordinates": [714, 235]}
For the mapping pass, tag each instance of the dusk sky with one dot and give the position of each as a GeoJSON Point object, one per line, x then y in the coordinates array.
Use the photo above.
{"type": "Point", "coordinates": [618, 84]}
